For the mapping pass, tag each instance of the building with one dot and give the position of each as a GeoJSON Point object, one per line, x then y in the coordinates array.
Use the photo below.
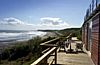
{"type": "Point", "coordinates": [91, 31]}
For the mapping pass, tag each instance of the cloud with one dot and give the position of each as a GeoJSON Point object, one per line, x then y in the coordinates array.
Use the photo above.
{"type": "Point", "coordinates": [11, 20]}
{"type": "Point", "coordinates": [53, 23]}
{"type": "Point", "coordinates": [49, 20]}
{"type": "Point", "coordinates": [15, 24]}
{"type": "Point", "coordinates": [46, 23]}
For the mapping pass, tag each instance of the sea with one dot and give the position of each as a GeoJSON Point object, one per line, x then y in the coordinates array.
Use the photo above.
{"type": "Point", "coordinates": [8, 36]}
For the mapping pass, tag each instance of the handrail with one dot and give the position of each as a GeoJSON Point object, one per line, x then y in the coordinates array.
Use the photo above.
{"type": "Point", "coordinates": [52, 48]}
{"type": "Point", "coordinates": [44, 56]}
{"type": "Point", "coordinates": [50, 41]}
{"type": "Point", "coordinates": [44, 51]}
{"type": "Point", "coordinates": [50, 45]}
{"type": "Point", "coordinates": [69, 36]}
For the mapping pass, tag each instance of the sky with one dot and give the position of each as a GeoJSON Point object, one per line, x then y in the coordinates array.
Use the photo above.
{"type": "Point", "coordinates": [42, 14]}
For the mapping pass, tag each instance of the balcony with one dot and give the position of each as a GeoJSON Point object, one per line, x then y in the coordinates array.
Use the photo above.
{"type": "Point", "coordinates": [70, 55]}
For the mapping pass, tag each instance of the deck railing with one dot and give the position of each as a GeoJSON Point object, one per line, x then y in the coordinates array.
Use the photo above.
{"type": "Point", "coordinates": [50, 51]}
{"type": "Point", "coordinates": [43, 59]}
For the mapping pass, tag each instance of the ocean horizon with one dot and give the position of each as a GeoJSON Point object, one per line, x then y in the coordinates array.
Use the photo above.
{"type": "Point", "coordinates": [8, 36]}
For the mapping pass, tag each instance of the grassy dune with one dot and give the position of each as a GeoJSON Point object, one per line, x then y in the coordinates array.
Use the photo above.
{"type": "Point", "coordinates": [23, 53]}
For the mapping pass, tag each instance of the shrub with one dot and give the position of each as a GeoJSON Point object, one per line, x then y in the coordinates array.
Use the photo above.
{"type": "Point", "coordinates": [24, 51]}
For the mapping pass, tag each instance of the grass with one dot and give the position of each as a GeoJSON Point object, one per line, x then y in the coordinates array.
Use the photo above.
{"type": "Point", "coordinates": [23, 53]}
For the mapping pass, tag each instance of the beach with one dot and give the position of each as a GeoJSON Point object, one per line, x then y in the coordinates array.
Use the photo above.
{"type": "Point", "coordinates": [10, 38]}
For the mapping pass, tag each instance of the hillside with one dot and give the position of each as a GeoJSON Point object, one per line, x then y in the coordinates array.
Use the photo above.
{"type": "Point", "coordinates": [65, 32]}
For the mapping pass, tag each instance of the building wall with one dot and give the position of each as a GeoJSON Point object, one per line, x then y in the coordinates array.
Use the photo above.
{"type": "Point", "coordinates": [84, 36]}
{"type": "Point", "coordinates": [95, 39]}
{"type": "Point", "coordinates": [95, 48]}
{"type": "Point", "coordinates": [99, 40]}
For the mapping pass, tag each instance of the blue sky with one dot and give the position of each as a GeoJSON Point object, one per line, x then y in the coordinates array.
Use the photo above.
{"type": "Point", "coordinates": [69, 12]}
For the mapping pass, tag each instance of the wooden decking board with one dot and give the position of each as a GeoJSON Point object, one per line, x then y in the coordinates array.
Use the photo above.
{"type": "Point", "coordinates": [80, 58]}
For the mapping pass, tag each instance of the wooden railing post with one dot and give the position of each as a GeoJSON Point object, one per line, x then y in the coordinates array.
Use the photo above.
{"type": "Point", "coordinates": [56, 56]}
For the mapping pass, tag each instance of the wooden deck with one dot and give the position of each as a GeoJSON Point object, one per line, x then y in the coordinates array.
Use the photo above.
{"type": "Point", "coordinates": [73, 59]}
{"type": "Point", "coordinates": [80, 58]}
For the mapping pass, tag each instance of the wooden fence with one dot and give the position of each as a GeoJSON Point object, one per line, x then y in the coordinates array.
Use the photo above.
{"type": "Point", "coordinates": [50, 51]}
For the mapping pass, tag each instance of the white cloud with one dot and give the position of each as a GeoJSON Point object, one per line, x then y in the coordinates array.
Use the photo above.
{"type": "Point", "coordinates": [53, 23]}
{"type": "Point", "coordinates": [46, 23]}
{"type": "Point", "coordinates": [49, 20]}
{"type": "Point", "coordinates": [11, 20]}
{"type": "Point", "coordinates": [15, 24]}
